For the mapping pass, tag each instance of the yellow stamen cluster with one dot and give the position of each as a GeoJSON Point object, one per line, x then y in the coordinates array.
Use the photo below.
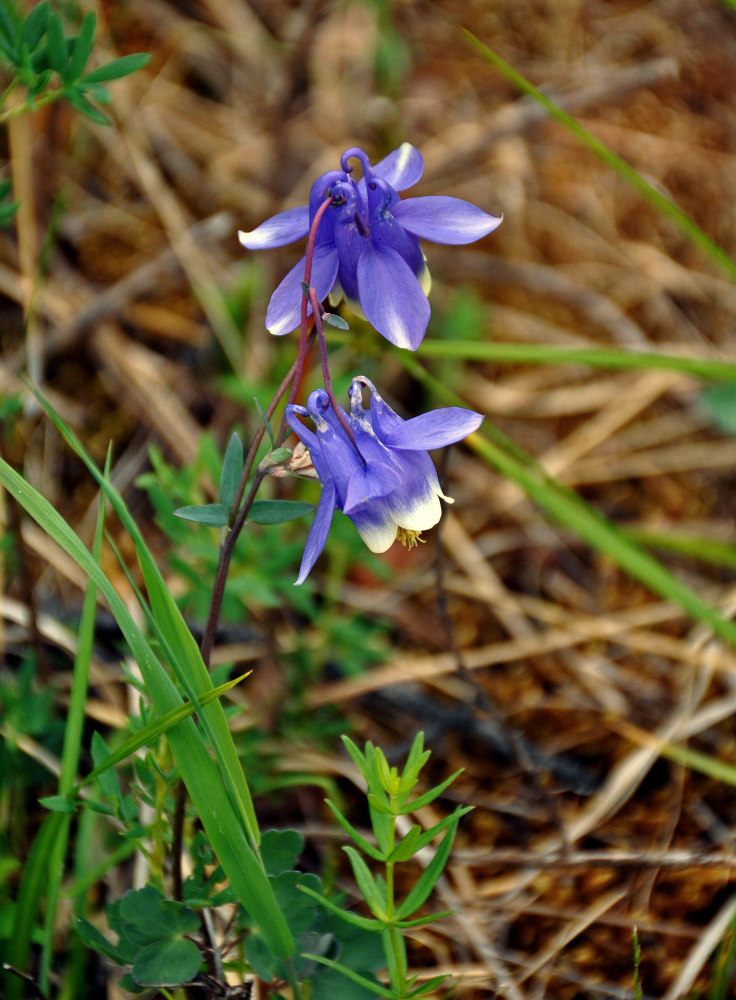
{"type": "Point", "coordinates": [409, 538]}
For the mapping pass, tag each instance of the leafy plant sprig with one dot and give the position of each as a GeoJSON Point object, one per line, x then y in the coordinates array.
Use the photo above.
{"type": "Point", "coordinates": [48, 64]}
{"type": "Point", "coordinates": [389, 795]}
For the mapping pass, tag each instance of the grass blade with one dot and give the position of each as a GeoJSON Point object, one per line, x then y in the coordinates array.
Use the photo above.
{"type": "Point", "coordinates": [204, 781]}
{"type": "Point", "coordinates": [655, 198]}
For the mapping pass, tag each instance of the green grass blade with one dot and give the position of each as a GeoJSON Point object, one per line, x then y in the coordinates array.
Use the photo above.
{"type": "Point", "coordinates": [148, 735]}
{"type": "Point", "coordinates": [187, 660]}
{"type": "Point", "coordinates": [71, 750]}
{"type": "Point", "coordinates": [655, 198]}
{"type": "Point", "coordinates": [710, 550]}
{"type": "Point", "coordinates": [570, 510]}
{"type": "Point", "coordinates": [593, 357]}
{"type": "Point", "coordinates": [32, 889]}
{"type": "Point", "coordinates": [200, 773]}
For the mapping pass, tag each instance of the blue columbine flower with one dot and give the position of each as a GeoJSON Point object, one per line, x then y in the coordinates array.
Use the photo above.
{"type": "Point", "coordinates": [385, 482]}
{"type": "Point", "coordinates": [367, 245]}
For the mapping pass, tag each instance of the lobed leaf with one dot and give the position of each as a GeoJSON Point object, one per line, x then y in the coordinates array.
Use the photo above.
{"type": "Point", "coordinates": [167, 963]}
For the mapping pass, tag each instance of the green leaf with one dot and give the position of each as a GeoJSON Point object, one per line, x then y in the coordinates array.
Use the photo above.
{"type": "Point", "coordinates": [416, 760]}
{"type": "Point", "coordinates": [337, 321]}
{"type": "Point", "coordinates": [80, 102]}
{"type": "Point", "coordinates": [280, 850]}
{"type": "Point", "coordinates": [214, 515]}
{"type": "Point", "coordinates": [81, 48]}
{"type": "Point", "coordinates": [148, 735]}
{"type": "Point", "coordinates": [142, 909]}
{"type": "Point", "coordinates": [58, 803]}
{"type": "Point", "coordinates": [298, 908]}
{"type": "Point", "coordinates": [99, 92]}
{"type": "Point", "coordinates": [422, 800]}
{"type": "Point", "coordinates": [430, 918]}
{"type": "Point", "coordinates": [117, 68]}
{"type": "Point", "coordinates": [259, 957]}
{"type": "Point", "coordinates": [368, 984]}
{"type": "Point", "coordinates": [56, 49]}
{"type": "Point", "coordinates": [429, 877]}
{"type": "Point", "coordinates": [278, 511]}
{"type": "Point", "coordinates": [367, 884]}
{"type": "Point", "coordinates": [407, 846]}
{"type": "Point", "coordinates": [107, 779]}
{"type": "Point", "coordinates": [219, 793]}
{"type": "Point", "coordinates": [358, 758]}
{"type": "Point", "coordinates": [279, 455]}
{"type": "Point", "coordinates": [720, 402]}
{"type": "Point", "coordinates": [97, 941]}
{"type": "Point", "coordinates": [365, 923]}
{"type": "Point", "coordinates": [232, 470]}
{"type": "Point", "coordinates": [363, 844]}
{"type": "Point", "coordinates": [167, 963]}
{"type": "Point", "coordinates": [34, 25]}
{"type": "Point", "coordinates": [8, 32]}
{"type": "Point", "coordinates": [32, 889]}
{"type": "Point", "coordinates": [454, 817]}
{"type": "Point", "coordinates": [265, 420]}
{"type": "Point", "coordinates": [427, 987]}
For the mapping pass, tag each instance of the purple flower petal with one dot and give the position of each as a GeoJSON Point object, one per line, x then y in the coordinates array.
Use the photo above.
{"type": "Point", "coordinates": [284, 309]}
{"type": "Point", "coordinates": [391, 296]}
{"type": "Point", "coordinates": [444, 220]}
{"type": "Point", "coordinates": [318, 532]}
{"type": "Point", "coordinates": [370, 482]}
{"type": "Point", "coordinates": [434, 429]}
{"type": "Point", "coordinates": [286, 227]}
{"type": "Point", "coordinates": [401, 168]}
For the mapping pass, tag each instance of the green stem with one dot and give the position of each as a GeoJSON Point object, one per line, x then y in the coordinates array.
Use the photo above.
{"type": "Point", "coordinates": [26, 106]}
{"type": "Point", "coordinates": [397, 967]}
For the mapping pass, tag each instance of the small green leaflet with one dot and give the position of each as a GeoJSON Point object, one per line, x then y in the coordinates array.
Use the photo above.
{"type": "Point", "coordinates": [232, 470]}
{"type": "Point", "coordinates": [213, 514]}
{"type": "Point", "coordinates": [278, 511]}
{"type": "Point", "coordinates": [265, 420]}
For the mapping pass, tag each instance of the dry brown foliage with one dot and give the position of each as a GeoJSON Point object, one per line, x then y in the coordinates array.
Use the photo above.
{"type": "Point", "coordinates": [550, 676]}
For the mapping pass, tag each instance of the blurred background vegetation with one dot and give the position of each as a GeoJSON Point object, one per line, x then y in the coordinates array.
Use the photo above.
{"type": "Point", "coordinates": [527, 656]}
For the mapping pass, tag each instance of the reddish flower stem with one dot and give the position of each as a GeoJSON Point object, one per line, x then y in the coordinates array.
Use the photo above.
{"type": "Point", "coordinates": [293, 379]}
{"type": "Point", "coordinates": [326, 371]}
